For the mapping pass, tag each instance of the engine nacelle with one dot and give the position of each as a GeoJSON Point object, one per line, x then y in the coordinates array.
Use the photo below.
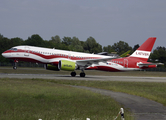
{"type": "Point", "coordinates": [67, 65]}
{"type": "Point", "coordinates": [51, 67]}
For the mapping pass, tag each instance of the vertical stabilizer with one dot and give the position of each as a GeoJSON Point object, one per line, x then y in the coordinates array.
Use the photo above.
{"type": "Point", "coordinates": [143, 52]}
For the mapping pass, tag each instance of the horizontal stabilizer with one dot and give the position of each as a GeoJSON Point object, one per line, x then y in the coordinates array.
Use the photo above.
{"type": "Point", "coordinates": [147, 64]}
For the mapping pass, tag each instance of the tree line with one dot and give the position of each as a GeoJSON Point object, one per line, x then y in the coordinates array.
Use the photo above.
{"type": "Point", "coordinates": [74, 44]}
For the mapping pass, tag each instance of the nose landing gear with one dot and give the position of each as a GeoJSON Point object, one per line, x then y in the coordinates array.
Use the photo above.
{"type": "Point", "coordinates": [15, 64]}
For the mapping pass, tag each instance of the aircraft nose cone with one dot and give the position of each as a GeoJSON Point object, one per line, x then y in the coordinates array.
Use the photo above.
{"type": "Point", "coordinates": [4, 55]}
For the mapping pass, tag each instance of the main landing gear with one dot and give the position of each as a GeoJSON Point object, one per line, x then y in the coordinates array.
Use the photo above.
{"type": "Point", "coordinates": [82, 74]}
{"type": "Point", "coordinates": [73, 74]}
{"type": "Point", "coordinates": [15, 64]}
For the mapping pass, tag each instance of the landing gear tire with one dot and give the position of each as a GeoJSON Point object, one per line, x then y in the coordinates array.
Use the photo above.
{"type": "Point", "coordinates": [73, 74]}
{"type": "Point", "coordinates": [82, 74]}
{"type": "Point", "coordinates": [14, 67]}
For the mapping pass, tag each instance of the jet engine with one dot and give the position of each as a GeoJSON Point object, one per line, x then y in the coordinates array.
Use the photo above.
{"type": "Point", "coordinates": [67, 65]}
{"type": "Point", "coordinates": [51, 67]}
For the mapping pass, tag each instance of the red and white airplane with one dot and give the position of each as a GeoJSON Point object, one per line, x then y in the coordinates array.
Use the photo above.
{"type": "Point", "coordinates": [54, 59]}
{"type": "Point", "coordinates": [136, 61]}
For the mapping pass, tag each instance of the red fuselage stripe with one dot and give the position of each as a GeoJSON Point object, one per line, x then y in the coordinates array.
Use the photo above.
{"type": "Point", "coordinates": [51, 56]}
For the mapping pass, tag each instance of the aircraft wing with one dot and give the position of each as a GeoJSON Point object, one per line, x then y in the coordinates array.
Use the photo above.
{"type": "Point", "coordinates": [147, 64]}
{"type": "Point", "coordinates": [86, 63]}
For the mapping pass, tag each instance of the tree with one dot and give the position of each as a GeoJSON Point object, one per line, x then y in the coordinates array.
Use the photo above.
{"type": "Point", "coordinates": [159, 55]}
{"type": "Point", "coordinates": [55, 42]}
{"type": "Point", "coordinates": [92, 46]}
{"type": "Point", "coordinates": [1, 36]}
{"type": "Point", "coordinates": [35, 40]}
{"type": "Point", "coordinates": [56, 39]}
{"type": "Point", "coordinates": [5, 44]}
{"type": "Point", "coordinates": [67, 41]}
{"type": "Point", "coordinates": [75, 45]}
{"type": "Point", "coordinates": [135, 47]}
{"type": "Point", "coordinates": [108, 49]}
{"type": "Point", "coordinates": [121, 47]}
{"type": "Point", "coordinates": [16, 41]}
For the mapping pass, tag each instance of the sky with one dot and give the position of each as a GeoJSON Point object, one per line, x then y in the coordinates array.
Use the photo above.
{"type": "Point", "coordinates": [107, 21]}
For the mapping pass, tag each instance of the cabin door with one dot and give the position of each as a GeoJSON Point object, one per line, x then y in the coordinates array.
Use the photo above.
{"type": "Point", "coordinates": [26, 51]}
{"type": "Point", "coordinates": [69, 56]}
{"type": "Point", "coordinates": [126, 63]}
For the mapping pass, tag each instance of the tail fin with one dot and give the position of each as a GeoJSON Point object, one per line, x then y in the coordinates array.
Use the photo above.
{"type": "Point", "coordinates": [143, 52]}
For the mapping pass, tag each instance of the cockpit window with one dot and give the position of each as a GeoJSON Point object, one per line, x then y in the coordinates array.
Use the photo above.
{"type": "Point", "coordinates": [14, 49]}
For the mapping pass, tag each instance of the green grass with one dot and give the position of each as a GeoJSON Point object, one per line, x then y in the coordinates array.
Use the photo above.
{"type": "Point", "coordinates": [25, 99]}
{"type": "Point", "coordinates": [153, 91]}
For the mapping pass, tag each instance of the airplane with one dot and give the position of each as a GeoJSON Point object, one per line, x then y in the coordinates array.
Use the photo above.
{"type": "Point", "coordinates": [136, 61]}
{"type": "Point", "coordinates": [54, 59]}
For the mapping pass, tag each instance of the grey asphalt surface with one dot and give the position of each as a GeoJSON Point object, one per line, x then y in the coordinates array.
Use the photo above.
{"type": "Point", "coordinates": [88, 77]}
{"type": "Point", "coordinates": [143, 109]}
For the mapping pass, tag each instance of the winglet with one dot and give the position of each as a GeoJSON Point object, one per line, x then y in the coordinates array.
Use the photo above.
{"type": "Point", "coordinates": [125, 54]}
